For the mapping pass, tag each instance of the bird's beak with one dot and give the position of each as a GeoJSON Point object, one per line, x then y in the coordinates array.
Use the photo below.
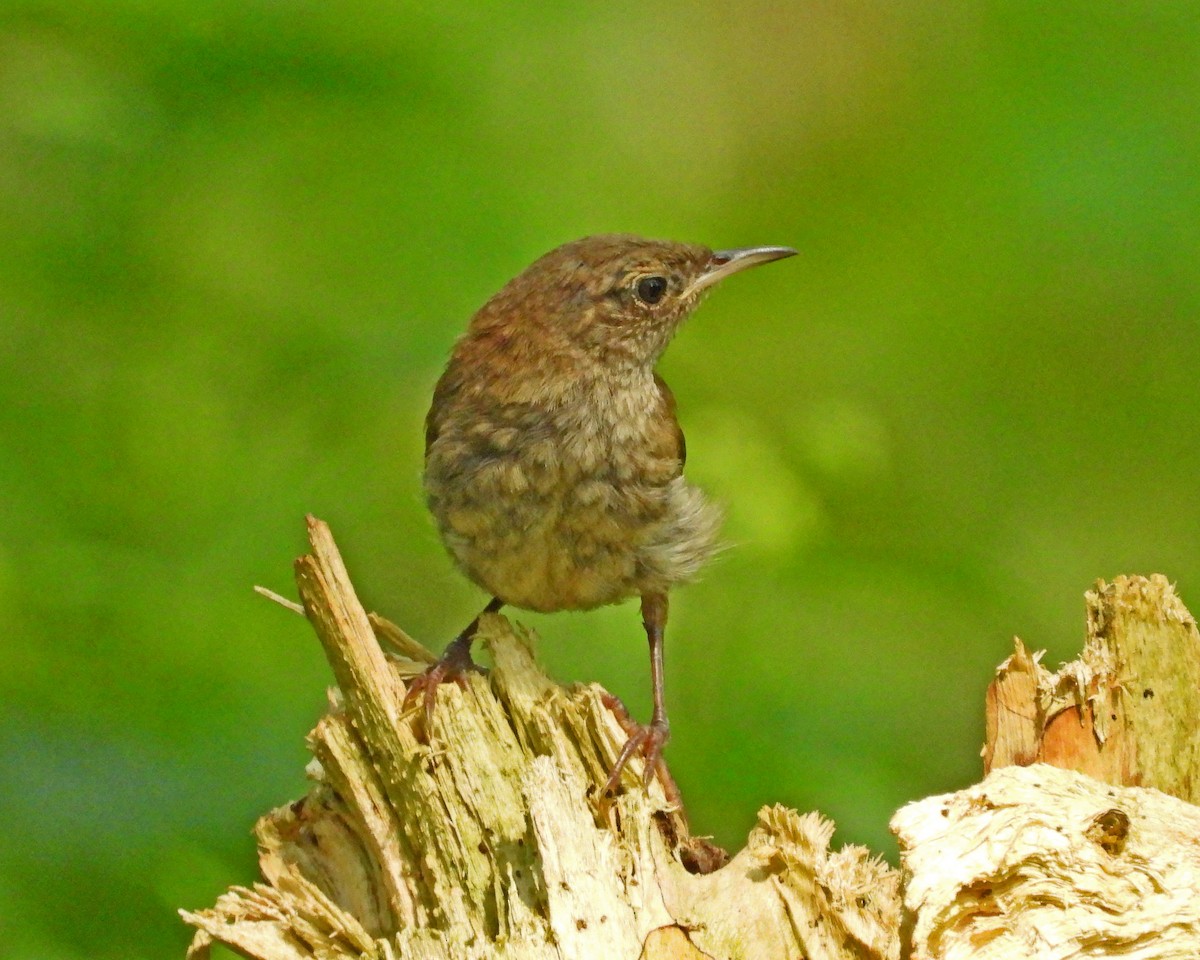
{"type": "Point", "coordinates": [726, 262]}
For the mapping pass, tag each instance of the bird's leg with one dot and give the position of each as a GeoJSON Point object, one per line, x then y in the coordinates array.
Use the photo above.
{"type": "Point", "coordinates": [453, 665]}
{"type": "Point", "coordinates": [648, 740]}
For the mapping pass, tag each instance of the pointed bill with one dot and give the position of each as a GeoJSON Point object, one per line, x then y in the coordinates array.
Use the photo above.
{"type": "Point", "coordinates": [726, 262]}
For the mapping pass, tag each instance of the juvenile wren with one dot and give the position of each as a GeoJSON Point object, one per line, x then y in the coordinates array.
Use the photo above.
{"type": "Point", "coordinates": [553, 456]}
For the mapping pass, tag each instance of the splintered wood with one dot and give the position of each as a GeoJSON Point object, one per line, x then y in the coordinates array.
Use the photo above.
{"type": "Point", "coordinates": [1039, 862]}
{"type": "Point", "coordinates": [489, 842]}
{"type": "Point", "coordinates": [1062, 851]}
{"type": "Point", "coordinates": [1125, 712]}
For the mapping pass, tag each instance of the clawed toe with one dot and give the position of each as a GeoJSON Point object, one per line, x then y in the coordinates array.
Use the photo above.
{"type": "Point", "coordinates": [646, 741]}
{"type": "Point", "coordinates": [424, 687]}
{"type": "Point", "coordinates": [453, 666]}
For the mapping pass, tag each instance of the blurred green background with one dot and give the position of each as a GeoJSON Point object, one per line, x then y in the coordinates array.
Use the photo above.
{"type": "Point", "coordinates": [238, 240]}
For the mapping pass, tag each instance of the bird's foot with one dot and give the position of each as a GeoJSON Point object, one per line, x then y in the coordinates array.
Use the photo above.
{"type": "Point", "coordinates": [697, 854]}
{"type": "Point", "coordinates": [453, 666]}
{"type": "Point", "coordinates": [646, 740]}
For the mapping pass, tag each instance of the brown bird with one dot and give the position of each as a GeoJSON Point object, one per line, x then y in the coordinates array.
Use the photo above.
{"type": "Point", "coordinates": [553, 456]}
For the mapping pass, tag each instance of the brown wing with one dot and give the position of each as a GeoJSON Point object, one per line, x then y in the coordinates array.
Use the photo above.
{"type": "Point", "coordinates": [431, 431]}
{"type": "Point", "coordinates": [680, 450]}
{"type": "Point", "coordinates": [443, 399]}
{"type": "Point", "coordinates": [433, 420]}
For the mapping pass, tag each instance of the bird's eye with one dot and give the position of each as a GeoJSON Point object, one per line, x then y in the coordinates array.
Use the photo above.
{"type": "Point", "coordinates": [651, 289]}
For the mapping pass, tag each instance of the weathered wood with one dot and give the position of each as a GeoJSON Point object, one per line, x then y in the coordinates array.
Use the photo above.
{"type": "Point", "coordinates": [1061, 852]}
{"type": "Point", "coordinates": [1125, 712]}
{"type": "Point", "coordinates": [489, 842]}
{"type": "Point", "coordinates": [1040, 862]}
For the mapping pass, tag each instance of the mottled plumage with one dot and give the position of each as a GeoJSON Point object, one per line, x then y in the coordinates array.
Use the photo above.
{"type": "Point", "coordinates": [554, 462]}
{"type": "Point", "coordinates": [553, 456]}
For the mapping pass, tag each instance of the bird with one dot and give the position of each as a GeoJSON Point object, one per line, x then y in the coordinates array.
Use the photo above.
{"type": "Point", "coordinates": [554, 459]}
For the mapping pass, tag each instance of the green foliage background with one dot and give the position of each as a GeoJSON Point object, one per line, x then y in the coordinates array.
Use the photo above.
{"type": "Point", "coordinates": [239, 239]}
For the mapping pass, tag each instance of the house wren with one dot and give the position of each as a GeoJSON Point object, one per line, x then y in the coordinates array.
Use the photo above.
{"type": "Point", "coordinates": [553, 457]}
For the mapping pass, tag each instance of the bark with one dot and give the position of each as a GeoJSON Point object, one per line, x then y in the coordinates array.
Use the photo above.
{"type": "Point", "coordinates": [489, 842]}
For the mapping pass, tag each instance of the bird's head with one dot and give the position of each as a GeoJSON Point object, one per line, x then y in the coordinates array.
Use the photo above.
{"type": "Point", "coordinates": [615, 298]}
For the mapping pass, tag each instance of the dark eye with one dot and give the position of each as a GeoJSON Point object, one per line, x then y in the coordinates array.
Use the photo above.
{"type": "Point", "coordinates": [651, 289]}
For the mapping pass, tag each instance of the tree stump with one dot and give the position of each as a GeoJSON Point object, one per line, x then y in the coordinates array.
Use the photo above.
{"type": "Point", "coordinates": [488, 841]}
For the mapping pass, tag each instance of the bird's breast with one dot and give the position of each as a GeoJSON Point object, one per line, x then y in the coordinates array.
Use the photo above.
{"type": "Point", "coordinates": [552, 508]}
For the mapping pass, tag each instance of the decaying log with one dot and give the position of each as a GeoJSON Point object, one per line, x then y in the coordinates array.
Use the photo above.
{"type": "Point", "coordinates": [488, 841]}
